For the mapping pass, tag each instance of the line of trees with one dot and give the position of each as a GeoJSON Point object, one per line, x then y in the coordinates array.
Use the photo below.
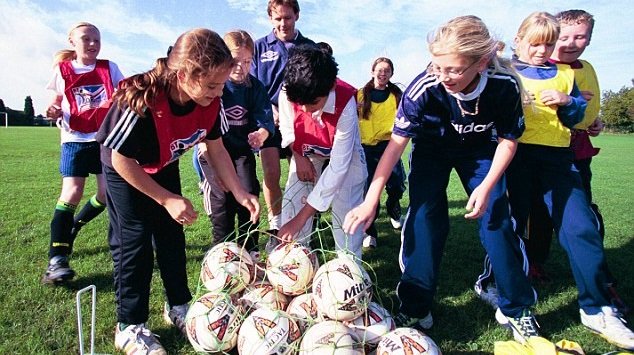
{"type": "Point", "coordinates": [617, 111]}
{"type": "Point", "coordinates": [26, 117]}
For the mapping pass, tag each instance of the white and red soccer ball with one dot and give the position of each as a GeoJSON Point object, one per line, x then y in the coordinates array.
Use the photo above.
{"type": "Point", "coordinates": [373, 324]}
{"type": "Point", "coordinates": [304, 311]}
{"type": "Point", "coordinates": [330, 338]}
{"type": "Point", "coordinates": [212, 323]}
{"type": "Point", "coordinates": [227, 267]}
{"type": "Point", "coordinates": [263, 295]}
{"type": "Point", "coordinates": [267, 331]}
{"type": "Point", "coordinates": [407, 341]}
{"type": "Point", "coordinates": [291, 267]}
{"type": "Point", "coordinates": [342, 289]}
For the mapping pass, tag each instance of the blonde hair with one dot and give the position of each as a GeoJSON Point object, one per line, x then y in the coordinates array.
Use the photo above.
{"type": "Point", "coordinates": [195, 54]}
{"type": "Point", "coordinates": [539, 27]}
{"type": "Point", "coordinates": [70, 54]}
{"type": "Point", "coordinates": [468, 36]}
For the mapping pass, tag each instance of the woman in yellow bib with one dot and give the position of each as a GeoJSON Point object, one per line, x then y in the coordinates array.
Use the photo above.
{"type": "Point", "coordinates": [378, 101]}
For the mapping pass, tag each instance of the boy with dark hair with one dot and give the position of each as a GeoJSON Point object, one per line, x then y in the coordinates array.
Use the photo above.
{"type": "Point", "coordinates": [318, 121]}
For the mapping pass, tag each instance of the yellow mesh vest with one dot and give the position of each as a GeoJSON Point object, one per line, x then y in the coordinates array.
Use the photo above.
{"type": "Point", "coordinates": [378, 126]}
{"type": "Point", "coordinates": [543, 127]}
{"type": "Point", "coordinates": [586, 79]}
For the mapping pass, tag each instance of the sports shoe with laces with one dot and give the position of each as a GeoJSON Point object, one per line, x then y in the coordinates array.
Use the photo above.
{"type": "Point", "coordinates": [489, 294]}
{"type": "Point", "coordinates": [369, 241]}
{"type": "Point", "coordinates": [138, 340]}
{"type": "Point", "coordinates": [58, 271]}
{"type": "Point", "coordinates": [176, 316]}
{"type": "Point", "coordinates": [403, 320]}
{"type": "Point", "coordinates": [523, 327]}
{"type": "Point", "coordinates": [609, 324]}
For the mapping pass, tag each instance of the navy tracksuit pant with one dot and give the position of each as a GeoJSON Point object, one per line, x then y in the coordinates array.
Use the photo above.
{"type": "Point", "coordinates": [136, 220]}
{"type": "Point", "coordinates": [550, 170]}
{"type": "Point", "coordinates": [395, 186]}
{"type": "Point", "coordinates": [427, 226]}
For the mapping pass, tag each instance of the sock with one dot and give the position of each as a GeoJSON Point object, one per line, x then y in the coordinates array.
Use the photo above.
{"type": "Point", "coordinates": [274, 221]}
{"type": "Point", "coordinates": [61, 226]}
{"type": "Point", "coordinates": [91, 209]}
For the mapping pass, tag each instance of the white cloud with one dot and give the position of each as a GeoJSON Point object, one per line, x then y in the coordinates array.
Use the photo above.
{"type": "Point", "coordinates": [135, 33]}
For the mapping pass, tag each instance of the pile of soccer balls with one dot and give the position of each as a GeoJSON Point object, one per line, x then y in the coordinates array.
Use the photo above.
{"type": "Point", "coordinates": [295, 306]}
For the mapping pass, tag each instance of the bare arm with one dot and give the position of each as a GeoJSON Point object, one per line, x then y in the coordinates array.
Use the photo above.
{"type": "Point", "coordinates": [363, 214]}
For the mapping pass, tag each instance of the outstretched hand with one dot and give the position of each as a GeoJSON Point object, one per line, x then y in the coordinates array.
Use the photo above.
{"type": "Point", "coordinates": [360, 216]}
{"type": "Point", "coordinates": [252, 204]}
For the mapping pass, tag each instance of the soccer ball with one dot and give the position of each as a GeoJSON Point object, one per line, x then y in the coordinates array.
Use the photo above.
{"type": "Point", "coordinates": [268, 331]}
{"type": "Point", "coordinates": [227, 267]}
{"type": "Point", "coordinates": [303, 310]}
{"type": "Point", "coordinates": [212, 323]}
{"type": "Point", "coordinates": [291, 268]}
{"type": "Point", "coordinates": [374, 323]}
{"type": "Point", "coordinates": [342, 289]}
{"type": "Point", "coordinates": [330, 337]}
{"type": "Point", "coordinates": [408, 341]}
{"type": "Point", "coordinates": [261, 295]}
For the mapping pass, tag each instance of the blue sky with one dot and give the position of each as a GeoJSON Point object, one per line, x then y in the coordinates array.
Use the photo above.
{"type": "Point", "coordinates": [135, 33]}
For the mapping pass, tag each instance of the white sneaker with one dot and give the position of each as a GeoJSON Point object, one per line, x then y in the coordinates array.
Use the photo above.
{"type": "Point", "coordinates": [396, 223]}
{"type": "Point", "coordinates": [138, 340]}
{"type": "Point", "coordinates": [369, 241]}
{"type": "Point", "coordinates": [488, 295]}
{"type": "Point", "coordinates": [609, 324]}
{"type": "Point", "coordinates": [524, 327]}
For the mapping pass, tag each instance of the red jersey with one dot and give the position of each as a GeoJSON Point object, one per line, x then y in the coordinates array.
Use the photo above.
{"type": "Point", "coordinates": [88, 95]}
{"type": "Point", "coordinates": [177, 134]}
{"type": "Point", "coordinates": [314, 137]}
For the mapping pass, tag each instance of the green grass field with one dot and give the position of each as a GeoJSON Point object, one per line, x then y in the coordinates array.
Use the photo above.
{"type": "Point", "coordinates": [38, 319]}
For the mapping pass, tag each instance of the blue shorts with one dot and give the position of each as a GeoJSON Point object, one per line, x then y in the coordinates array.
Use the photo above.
{"type": "Point", "coordinates": [80, 159]}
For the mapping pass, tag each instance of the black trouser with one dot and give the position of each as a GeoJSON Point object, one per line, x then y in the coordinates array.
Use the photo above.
{"type": "Point", "coordinates": [136, 220]}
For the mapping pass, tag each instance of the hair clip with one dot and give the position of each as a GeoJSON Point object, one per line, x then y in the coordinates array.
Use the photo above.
{"type": "Point", "coordinates": [169, 50]}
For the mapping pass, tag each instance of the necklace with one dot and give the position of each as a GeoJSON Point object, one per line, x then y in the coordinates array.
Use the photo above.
{"type": "Point", "coordinates": [464, 112]}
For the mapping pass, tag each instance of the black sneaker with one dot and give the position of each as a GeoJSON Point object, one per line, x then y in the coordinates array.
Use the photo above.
{"type": "Point", "coordinates": [58, 271]}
